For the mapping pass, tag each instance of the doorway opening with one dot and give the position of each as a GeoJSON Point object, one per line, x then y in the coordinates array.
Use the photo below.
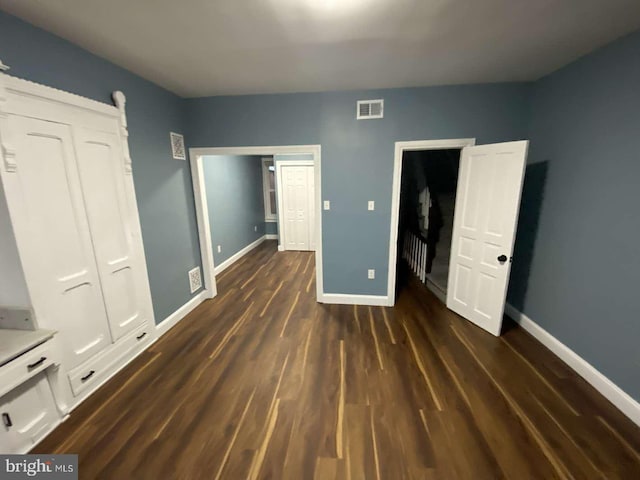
{"type": "Point", "coordinates": [485, 216]}
{"type": "Point", "coordinates": [246, 195]}
{"type": "Point", "coordinates": [427, 204]}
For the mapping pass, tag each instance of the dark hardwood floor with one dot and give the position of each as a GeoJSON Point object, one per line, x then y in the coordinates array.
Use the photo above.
{"type": "Point", "coordinates": [263, 382]}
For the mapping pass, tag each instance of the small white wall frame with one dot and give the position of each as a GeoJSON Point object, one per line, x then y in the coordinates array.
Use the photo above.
{"type": "Point", "coordinates": [202, 212]}
{"type": "Point", "coordinates": [400, 148]}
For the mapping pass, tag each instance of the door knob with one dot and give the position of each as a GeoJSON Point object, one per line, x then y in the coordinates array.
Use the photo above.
{"type": "Point", "coordinates": [502, 258]}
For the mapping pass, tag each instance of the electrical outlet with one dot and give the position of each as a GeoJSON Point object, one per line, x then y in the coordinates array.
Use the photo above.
{"type": "Point", "coordinates": [327, 205]}
{"type": "Point", "coordinates": [371, 205]}
{"type": "Point", "coordinates": [255, 228]}
{"type": "Point", "coordinates": [219, 248]}
{"type": "Point", "coordinates": [371, 274]}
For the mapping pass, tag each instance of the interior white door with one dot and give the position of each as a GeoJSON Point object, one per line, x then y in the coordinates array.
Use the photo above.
{"type": "Point", "coordinates": [53, 235]}
{"type": "Point", "coordinates": [297, 207]}
{"type": "Point", "coordinates": [486, 214]}
{"type": "Point", "coordinates": [101, 167]}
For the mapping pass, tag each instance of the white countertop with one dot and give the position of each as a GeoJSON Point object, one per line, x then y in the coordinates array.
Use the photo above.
{"type": "Point", "coordinates": [14, 343]}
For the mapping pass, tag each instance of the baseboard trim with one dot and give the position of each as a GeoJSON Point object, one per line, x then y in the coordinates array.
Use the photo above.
{"type": "Point", "coordinates": [271, 236]}
{"type": "Point", "coordinates": [237, 256]}
{"type": "Point", "coordinates": [341, 299]}
{"type": "Point", "coordinates": [622, 400]}
{"type": "Point", "coordinates": [182, 312]}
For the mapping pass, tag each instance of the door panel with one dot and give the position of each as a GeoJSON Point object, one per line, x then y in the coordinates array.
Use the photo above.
{"type": "Point", "coordinates": [54, 238]}
{"type": "Point", "coordinates": [297, 207]}
{"type": "Point", "coordinates": [486, 213]}
{"type": "Point", "coordinates": [101, 168]}
{"type": "Point", "coordinates": [32, 412]}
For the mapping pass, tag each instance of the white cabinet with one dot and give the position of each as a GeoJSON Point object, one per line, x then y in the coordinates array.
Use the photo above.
{"type": "Point", "coordinates": [102, 177]}
{"type": "Point", "coordinates": [67, 186]}
{"type": "Point", "coordinates": [27, 414]}
{"type": "Point", "coordinates": [53, 237]}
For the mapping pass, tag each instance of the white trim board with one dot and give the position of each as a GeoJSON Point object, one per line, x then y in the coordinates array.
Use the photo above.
{"type": "Point", "coordinates": [341, 299]}
{"type": "Point", "coordinates": [623, 401]}
{"type": "Point", "coordinates": [173, 319]}
{"type": "Point", "coordinates": [238, 255]}
{"type": "Point", "coordinates": [271, 236]}
{"type": "Point", "coordinates": [206, 251]}
{"type": "Point", "coordinates": [400, 148]}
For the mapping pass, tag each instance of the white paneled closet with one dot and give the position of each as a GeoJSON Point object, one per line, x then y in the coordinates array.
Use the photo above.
{"type": "Point", "coordinates": [68, 190]}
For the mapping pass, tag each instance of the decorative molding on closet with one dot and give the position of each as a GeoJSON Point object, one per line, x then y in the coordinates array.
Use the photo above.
{"type": "Point", "coordinates": [44, 92]}
{"type": "Point", "coordinates": [8, 150]}
{"type": "Point", "coordinates": [120, 100]}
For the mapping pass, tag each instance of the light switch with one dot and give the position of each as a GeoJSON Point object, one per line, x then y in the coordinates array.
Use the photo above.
{"type": "Point", "coordinates": [327, 205]}
{"type": "Point", "coordinates": [219, 248]}
{"type": "Point", "coordinates": [371, 205]}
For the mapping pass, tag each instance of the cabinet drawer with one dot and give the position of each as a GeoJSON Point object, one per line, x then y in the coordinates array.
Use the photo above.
{"type": "Point", "coordinates": [27, 365]}
{"type": "Point", "coordinates": [103, 364]}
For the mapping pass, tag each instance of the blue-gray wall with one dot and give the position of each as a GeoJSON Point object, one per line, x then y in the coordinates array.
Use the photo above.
{"type": "Point", "coordinates": [235, 200]}
{"type": "Point", "coordinates": [163, 185]}
{"type": "Point", "coordinates": [579, 274]}
{"type": "Point", "coordinates": [357, 156]}
{"type": "Point", "coordinates": [271, 228]}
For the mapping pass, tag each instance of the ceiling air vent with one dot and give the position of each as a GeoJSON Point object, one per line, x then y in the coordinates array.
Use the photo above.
{"type": "Point", "coordinates": [368, 109]}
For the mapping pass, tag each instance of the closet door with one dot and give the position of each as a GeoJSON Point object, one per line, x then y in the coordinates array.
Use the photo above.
{"type": "Point", "coordinates": [101, 167]}
{"type": "Point", "coordinates": [50, 224]}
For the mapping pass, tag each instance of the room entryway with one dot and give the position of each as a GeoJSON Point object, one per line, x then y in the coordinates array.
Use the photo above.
{"type": "Point", "coordinates": [247, 195]}
{"type": "Point", "coordinates": [454, 217]}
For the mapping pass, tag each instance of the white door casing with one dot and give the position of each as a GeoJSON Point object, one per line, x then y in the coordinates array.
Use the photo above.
{"type": "Point", "coordinates": [312, 211]}
{"type": "Point", "coordinates": [102, 177]}
{"type": "Point", "coordinates": [54, 239]}
{"type": "Point", "coordinates": [486, 213]}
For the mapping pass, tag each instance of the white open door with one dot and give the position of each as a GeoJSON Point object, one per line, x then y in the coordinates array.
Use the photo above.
{"type": "Point", "coordinates": [484, 227]}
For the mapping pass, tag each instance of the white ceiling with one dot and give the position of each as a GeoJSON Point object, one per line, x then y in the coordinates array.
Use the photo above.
{"type": "Point", "coordinates": [216, 47]}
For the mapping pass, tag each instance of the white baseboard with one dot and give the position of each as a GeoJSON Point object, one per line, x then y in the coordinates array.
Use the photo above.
{"type": "Point", "coordinates": [237, 256]}
{"type": "Point", "coordinates": [271, 236]}
{"type": "Point", "coordinates": [280, 248]}
{"type": "Point", "coordinates": [182, 312]}
{"type": "Point", "coordinates": [625, 403]}
{"type": "Point", "coordinates": [340, 299]}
